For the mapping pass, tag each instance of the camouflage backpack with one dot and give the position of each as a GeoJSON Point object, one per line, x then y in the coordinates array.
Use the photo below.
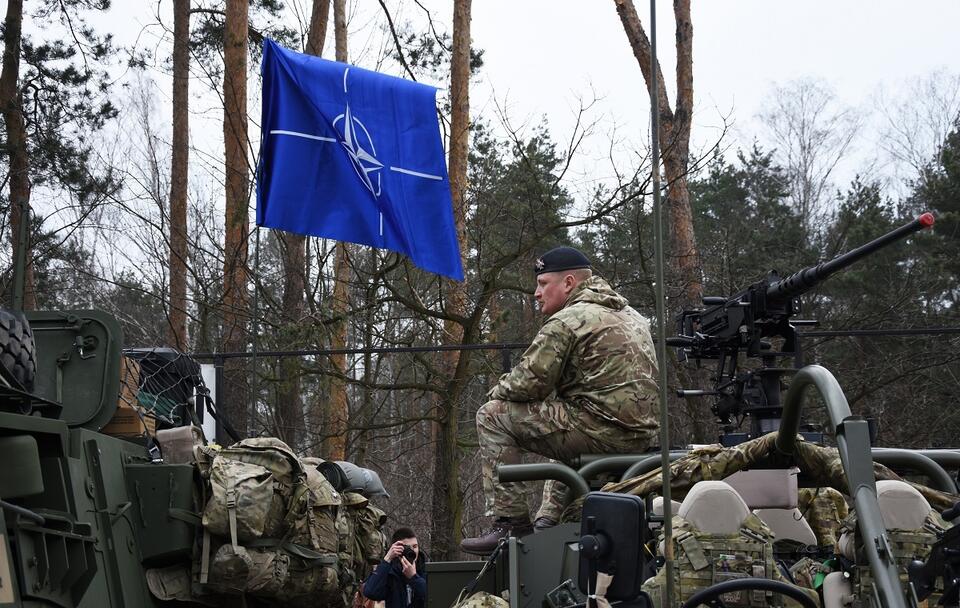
{"type": "Point", "coordinates": [906, 545]}
{"type": "Point", "coordinates": [271, 527]}
{"type": "Point", "coordinates": [702, 560]}
{"type": "Point", "coordinates": [359, 528]}
{"type": "Point", "coordinates": [482, 599]}
{"type": "Point", "coordinates": [364, 541]}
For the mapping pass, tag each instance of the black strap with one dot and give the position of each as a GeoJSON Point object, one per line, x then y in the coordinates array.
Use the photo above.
{"type": "Point", "coordinates": [468, 590]}
{"type": "Point", "coordinates": [222, 420]}
{"type": "Point", "coordinates": [313, 558]}
{"type": "Point", "coordinates": [185, 516]}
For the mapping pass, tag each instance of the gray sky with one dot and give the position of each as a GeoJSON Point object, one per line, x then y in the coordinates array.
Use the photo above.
{"type": "Point", "coordinates": [542, 57]}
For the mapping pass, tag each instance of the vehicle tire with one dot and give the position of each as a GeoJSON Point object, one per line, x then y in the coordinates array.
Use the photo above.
{"type": "Point", "coordinates": [17, 350]}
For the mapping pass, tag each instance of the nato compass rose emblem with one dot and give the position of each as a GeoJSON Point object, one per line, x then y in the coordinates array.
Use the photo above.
{"type": "Point", "coordinates": [358, 144]}
{"type": "Point", "coordinates": [361, 150]}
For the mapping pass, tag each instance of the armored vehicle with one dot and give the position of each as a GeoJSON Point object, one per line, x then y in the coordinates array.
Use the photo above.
{"type": "Point", "coordinates": [101, 508]}
{"type": "Point", "coordinates": [769, 515]}
{"type": "Point", "coordinates": [97, 512]}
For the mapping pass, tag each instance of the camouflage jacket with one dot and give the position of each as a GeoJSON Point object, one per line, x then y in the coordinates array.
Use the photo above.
{"type": "Point", "coordinates": [595, 353]}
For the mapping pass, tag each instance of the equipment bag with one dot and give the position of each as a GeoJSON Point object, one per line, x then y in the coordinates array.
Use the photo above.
{"type": "Point", "coordinates": [257, 486]}
{"type": "Point", "coordinates": [271, 527]}
{"type": "Point", "coordinates": [275, 528]}
{"type": "Point", "coordinates": [703, 560]}
{"type": "Point", "coordinates": [371, 542]}
{"type": "Point", "coordinates": [906, 545]}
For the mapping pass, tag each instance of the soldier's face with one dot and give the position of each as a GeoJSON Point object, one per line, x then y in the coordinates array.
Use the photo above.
{"type": "Point", "coordinates": [553, 288]}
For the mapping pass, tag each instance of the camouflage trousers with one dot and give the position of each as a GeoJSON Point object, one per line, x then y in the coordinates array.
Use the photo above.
{"type": "Point", "coordinates": [552, 428]}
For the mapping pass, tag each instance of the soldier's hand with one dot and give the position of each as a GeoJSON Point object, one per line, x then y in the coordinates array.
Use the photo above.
{"type": "Point", "coordinates": [395, 551]}
{"type": "Point", "coordinates": [409, 570]}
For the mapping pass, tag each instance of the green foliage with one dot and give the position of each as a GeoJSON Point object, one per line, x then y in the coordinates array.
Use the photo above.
{"type": "Point", "coordinates": [938, 190]}
{"type": "Point", "coordinates": [620, 246]}
{"type": "Point", "coordinates": [207, 30]}
{"type": "Point", "coordinates": [516, 205]}
{"type": "Point", "coordinates": [138, 305]}
{"type": "Point", "coordinates": [744, 223]}
{"type": "Point", "coordinates": [64, 91]}
{"type": "Point", "coordinates": [428, 53]}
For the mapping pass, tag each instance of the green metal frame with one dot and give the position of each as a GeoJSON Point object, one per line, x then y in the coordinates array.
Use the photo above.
{"type": "Point", "coordinates": [853, 441]}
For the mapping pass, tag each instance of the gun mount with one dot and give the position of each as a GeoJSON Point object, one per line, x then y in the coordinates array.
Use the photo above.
{"type": "Point", "coordinates": [942, 564]}
{"type": "Point", "coordinates": [750, 323]}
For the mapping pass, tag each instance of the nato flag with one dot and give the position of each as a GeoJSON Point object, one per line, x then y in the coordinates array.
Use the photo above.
{"type": "Point", "coordinates": [354, 155]}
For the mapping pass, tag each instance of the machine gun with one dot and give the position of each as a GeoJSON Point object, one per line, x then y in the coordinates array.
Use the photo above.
{"type": "Point", "coordinates": [746, 323]}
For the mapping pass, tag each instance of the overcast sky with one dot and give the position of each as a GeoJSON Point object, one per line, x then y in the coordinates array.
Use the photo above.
{"type": "Point", "coordinates": [543, 56]}
{"type": "Point", "coordinates": [545, 52]}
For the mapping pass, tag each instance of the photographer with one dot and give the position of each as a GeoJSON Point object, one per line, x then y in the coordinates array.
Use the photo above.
{"type": "Point", "coordinates": [399, 579]}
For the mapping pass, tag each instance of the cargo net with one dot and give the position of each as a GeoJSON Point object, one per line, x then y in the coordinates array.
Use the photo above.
{"type": "Point", "coordinates": [158, 388]}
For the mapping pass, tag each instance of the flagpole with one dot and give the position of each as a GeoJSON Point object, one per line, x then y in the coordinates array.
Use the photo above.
{"type": "Point", "coordinates": [661, 308]}
{"type": "Point", "coordinates": [255, 330]}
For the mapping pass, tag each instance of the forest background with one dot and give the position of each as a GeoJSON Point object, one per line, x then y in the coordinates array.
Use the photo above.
{"type": "Point", "coordinates": [135, 143]}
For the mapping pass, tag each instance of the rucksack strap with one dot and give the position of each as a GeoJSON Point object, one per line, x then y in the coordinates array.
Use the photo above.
{"type": "Point", "coordinates": [205, 558]}
{"type": "Point", "coordinates": [313, 558]}
{"type": "Point", "coordinates": [694, 552]}
{"type": "Point", "coordinates": [231, 496]}
{"type": "Point", "coordinates": [185, 516]}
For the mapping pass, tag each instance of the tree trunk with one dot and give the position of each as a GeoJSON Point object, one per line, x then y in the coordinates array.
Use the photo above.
{"type": "Point", "coordinates": [365, 411]}
{"type": "Point", "coordinates": [12, 108]}
{"type": "Point", "coordinates": [237, 211]}
{"type": "Point", "coordinates": [177, 317]}
{"type": "Point", "coordinates": [289, 408]}
{"type": "Point", "coordinates": [684, 280]}
{"type": "Point", "coordinates": [337, 412]}
{"type": "Point", "coordinates": [294, 254]}
{"type": "Point", "coordinates": [674, 136]}
{"type": "Point", "coordinates": [319, 17]}
{"type": "Point", "coordinates": [446, 504]}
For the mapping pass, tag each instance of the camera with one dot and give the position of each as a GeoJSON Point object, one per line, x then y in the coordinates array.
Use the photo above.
{"type": "Point", "coordinates": [409, 554]}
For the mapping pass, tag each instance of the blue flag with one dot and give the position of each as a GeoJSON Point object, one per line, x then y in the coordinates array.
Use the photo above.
{"type": "Point", "coordinates": [354, 155]}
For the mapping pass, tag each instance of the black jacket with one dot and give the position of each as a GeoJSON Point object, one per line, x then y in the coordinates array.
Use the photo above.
{"type": "Point", "coordinates": [388, 583]}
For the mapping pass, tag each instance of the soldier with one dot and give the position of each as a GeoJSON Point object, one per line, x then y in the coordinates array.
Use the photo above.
{"type": "Point", "coordinates": [585, 385]}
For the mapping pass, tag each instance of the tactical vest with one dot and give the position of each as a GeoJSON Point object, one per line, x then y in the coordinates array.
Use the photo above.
{"type": "Point", "coordinates": [906, 546]}
{"type": "Point", "coordinates": [702, 560]}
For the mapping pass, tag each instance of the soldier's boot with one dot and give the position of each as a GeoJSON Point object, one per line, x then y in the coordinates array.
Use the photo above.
{"type": "Point", "coordinates": [502, 528]}
{"type": "Point", "coordinates": [543, 523]}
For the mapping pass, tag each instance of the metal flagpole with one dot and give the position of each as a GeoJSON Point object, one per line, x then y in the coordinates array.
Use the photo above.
{"type": "Point", "coordinates": [661, 308]}
{"type": "Point", "coordinates": [256, 323]}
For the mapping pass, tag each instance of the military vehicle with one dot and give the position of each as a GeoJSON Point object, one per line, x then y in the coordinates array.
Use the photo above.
{"type": "Point", "coordinates": [98, 512]}
{"type": "Point", "coordinates": [159, 518]}
{"type": "Point", "coordinates": [739, 537]}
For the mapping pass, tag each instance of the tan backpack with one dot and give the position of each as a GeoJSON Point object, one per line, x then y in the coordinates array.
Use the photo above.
{"type": "Point", "coordinates": [271, 527]}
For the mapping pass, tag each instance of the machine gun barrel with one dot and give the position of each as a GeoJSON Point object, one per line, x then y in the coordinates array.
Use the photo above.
{"type": "Point", "coordinates": [803, 280]}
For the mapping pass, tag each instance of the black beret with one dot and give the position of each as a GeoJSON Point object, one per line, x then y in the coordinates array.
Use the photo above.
{"type": "Point", "coordinates": [561, 258]}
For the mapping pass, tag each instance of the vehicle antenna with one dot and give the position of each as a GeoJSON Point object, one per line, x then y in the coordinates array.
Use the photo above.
{"type": "Point", "coordinates": [661, 308]}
